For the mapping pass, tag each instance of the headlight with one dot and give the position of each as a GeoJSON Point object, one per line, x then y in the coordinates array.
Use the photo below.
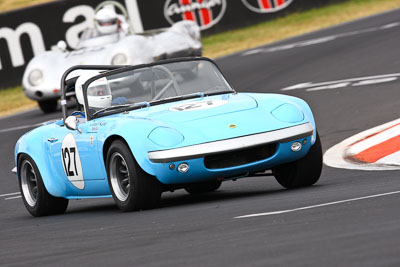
{"type": "Point", "coordinates": [166, 137]}
{"type": "Point", "coordinates": [288, 113]}
{"type": "Point", "coordinates": [119, 59]}
{"type": "Point", "coordinates": [35, 77]}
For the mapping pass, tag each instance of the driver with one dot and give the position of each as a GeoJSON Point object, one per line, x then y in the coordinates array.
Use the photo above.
{"type": "Point", "coordinates": [106, 21]}
{"type": "Point", "coordinates": [98, 92]}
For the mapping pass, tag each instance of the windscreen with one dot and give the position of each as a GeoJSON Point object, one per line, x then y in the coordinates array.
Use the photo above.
{"type": "Point", "coordinates": [162, 82]}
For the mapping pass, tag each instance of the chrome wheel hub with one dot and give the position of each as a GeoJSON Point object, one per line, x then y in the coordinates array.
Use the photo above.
{"type": "Point", "coordinates": [29, 183]}
{"type": "Point", "coordinates": [119, 176]}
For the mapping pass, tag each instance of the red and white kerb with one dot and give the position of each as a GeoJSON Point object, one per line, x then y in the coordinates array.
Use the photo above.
{"type": "Point", "coordinates": [380, 147]}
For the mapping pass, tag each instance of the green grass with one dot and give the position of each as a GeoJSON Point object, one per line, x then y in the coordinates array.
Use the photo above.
{"type": "Point", "coordinates": [13, 100]}
{"type": "Point", "coordinates": [292, 25]}
{"type": "Point", "coordinates": [6, 5]}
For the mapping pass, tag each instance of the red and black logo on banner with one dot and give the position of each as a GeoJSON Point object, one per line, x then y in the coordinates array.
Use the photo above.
{"type": "Point", "coordinates": [266, 6]}
{"type": "Point", "coordinates": [205, 12]}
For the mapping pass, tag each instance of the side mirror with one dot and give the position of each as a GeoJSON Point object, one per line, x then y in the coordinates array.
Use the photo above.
{"type": "Point", "coordinates": [62, 45]}
{"type": "Point", "coordinates": [71, 122]}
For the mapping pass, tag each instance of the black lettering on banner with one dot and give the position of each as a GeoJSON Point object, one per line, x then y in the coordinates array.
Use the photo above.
{"type": "Point", "coordinates": [66, 156]}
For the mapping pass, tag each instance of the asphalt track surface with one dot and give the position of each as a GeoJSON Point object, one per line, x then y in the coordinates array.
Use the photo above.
{"type": "Point", "coordinates": [329, 224]}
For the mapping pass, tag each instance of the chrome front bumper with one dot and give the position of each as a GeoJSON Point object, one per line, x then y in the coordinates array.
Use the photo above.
{"type": "Point", "coordinates": [202, 150]}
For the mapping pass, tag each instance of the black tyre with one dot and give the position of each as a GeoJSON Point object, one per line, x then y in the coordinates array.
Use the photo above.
{"type": "Point", "coordinates": [48, 106]}
{"type": "Point", "coordinates": [34, 194]}
{"type": "Point", "coordinates": [203, 187]}
{"type": "Point", "coordinates": [303, 172]}
{"type": "Point", "coordinates": [131, 187]}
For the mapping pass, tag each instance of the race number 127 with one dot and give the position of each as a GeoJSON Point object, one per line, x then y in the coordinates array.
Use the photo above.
{"type": "Point", "coordinates": [69, 156]}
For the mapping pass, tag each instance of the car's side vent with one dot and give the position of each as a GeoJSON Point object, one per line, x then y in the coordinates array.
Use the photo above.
{"type": "Point", "coordinates": [239, 157]}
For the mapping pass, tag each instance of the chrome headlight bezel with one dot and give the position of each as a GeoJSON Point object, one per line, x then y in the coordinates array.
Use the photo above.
{"type": "Point", "coordinates": [35, 77]}
{"type": "Point", "coordinates": [120, 59]}
{"type": "Point", "coordinates": [165, 136]}
{"type": "Point", "coordinates": [288, 113]}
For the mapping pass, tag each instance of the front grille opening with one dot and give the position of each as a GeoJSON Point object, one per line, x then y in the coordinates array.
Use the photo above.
{"type": "Point", "coordinates": [239, 157]}
{"type": "Point", "coordinates": [39, 93]}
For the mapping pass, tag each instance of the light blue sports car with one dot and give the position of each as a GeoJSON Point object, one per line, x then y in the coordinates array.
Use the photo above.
{"type": "Point", "coordinates": [143, 130]}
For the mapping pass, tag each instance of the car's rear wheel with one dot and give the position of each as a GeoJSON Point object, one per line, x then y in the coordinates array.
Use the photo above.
{"type": "Point", "coordinates": [303, 172]}
{"type": "Point", "coordinates": [48, 106]}
{"type": "Point", "coordinates": [131, 187]}
{"type": "Point", "coordinates": [203, 187]}
{"type": "Point", "coordinates": [34, 194]}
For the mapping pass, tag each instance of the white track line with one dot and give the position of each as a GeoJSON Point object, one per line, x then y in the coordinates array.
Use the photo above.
{"type": "Point", "coordinates": [314, 86]}
{"type": "Point", "coordinates": [13, 197]}
{"type": "Point", "coordinates": [318, 40]}
{"type": "Point", "coordinates": [26, 126]}
{"type": "Point", "coordinates": [19, 128]}
{"type": "Point", "coordinates": [316, 206]}
{"type": "Point", "coordinates": [10, 194]}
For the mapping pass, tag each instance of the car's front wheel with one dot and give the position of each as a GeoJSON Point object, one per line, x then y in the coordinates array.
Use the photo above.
{"type": "Point", "coordinates": [34, 194]}
{"type": "Point", "coordinates": [303, 172]}
{"type": "Point", "coordinates": [48, 106]}
{"type": "Point", "coordinates": [131, 187]}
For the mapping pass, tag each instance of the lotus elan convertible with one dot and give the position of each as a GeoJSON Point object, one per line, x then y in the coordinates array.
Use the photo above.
{"type": "Point", "coordinates": [142, 130]}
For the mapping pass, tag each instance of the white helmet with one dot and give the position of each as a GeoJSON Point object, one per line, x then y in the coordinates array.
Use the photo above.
{"type": "Point", "coordinates": [98, 91]}
{"type": "Point", "coordinates": [106, 21]}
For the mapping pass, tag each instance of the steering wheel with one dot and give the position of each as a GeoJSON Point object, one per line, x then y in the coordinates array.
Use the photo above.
{"type": "Point", "coordinates": [172, 83]}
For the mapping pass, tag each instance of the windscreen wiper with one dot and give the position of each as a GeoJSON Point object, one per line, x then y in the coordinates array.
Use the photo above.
{"type": "Point", "coordinates": [220, 92]}
{"type": "Point", "coordinates": [161, 101]}
{"type": "Point", "coordinates": [127, 106]}
{"type": "Point", "coordinates": [189, 96]}
{"type": "Point", "coordinates": [110, 108]}
{"type": "Point", "coordinates": [175, 98]}
{"type": "Point", "coordinates": [138, 105]}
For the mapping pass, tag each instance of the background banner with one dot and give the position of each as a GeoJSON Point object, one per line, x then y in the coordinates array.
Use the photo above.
{"type": "Point", "coordinates": [28, 32]}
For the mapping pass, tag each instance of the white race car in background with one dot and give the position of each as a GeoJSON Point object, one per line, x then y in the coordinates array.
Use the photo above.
{"type": "Point", "coordinates": [41, 79]}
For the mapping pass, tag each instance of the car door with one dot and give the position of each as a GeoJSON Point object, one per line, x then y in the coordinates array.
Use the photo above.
{"type": "Point", "coordinates": [75, 156]}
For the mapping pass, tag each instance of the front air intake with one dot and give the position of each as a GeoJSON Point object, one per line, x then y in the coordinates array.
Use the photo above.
{"type": "Point", "coordinates": [38, 93]}
{"type": "Point", "coordinates": [239, 157]}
